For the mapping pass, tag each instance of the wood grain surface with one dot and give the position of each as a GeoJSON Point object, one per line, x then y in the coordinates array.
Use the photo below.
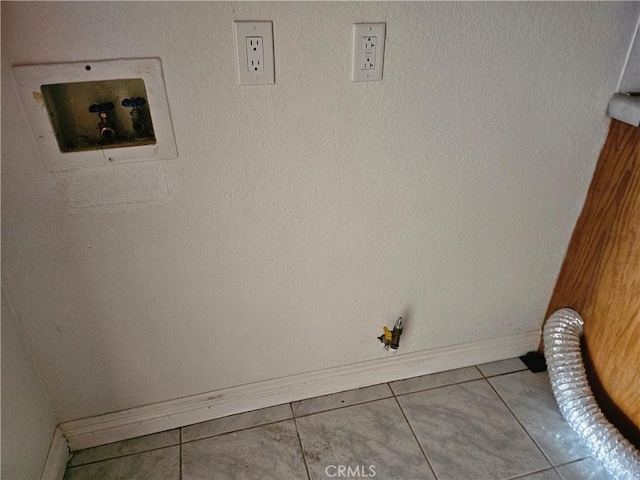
{"type": "Point", "coordinates": [600, 279]}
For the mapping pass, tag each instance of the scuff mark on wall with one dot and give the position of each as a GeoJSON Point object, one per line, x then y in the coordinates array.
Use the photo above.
{"type": "Point", "coordinates": [37, 96]}
{"type": "Point", "coordinates": [114, 186]}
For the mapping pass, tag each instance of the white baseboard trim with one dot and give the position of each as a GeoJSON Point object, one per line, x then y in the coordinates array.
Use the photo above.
{"type": "Point", "coordinates": [147, 419]}
{"type": "Point", "coordinates": [57, 457]}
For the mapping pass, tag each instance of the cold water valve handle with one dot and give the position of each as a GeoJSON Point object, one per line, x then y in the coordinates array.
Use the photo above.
{"type": "Point", "coordinates": [137, 120]}
{"type": "Point", "coordinates": [391, 338]}
{"type": "Point", "coordinates": [133, 102]}
{"type": "Point", "coordinates": [107, 132]}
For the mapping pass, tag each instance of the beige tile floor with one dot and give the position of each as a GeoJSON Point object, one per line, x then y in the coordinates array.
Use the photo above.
{"type": "Point", "coordinates": [492, 421]}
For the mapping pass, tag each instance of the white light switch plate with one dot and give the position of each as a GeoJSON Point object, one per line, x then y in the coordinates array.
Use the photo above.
{"type": "Point", "coordinates": [255, 67]}
{"type": "Point", "coordinates": [368, 51]}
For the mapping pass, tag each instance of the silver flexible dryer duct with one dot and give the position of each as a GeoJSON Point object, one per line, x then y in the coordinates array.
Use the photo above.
{"type": "Point", "coordinates": [568, 378]}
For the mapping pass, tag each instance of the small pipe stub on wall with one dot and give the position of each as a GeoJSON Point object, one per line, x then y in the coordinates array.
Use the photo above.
{"type": "Point", "coordinates": [391, 338]}
{"type": "Point", "coordinates": [137, 120]}
{"type": "Point", "coordinates": [107, 133]}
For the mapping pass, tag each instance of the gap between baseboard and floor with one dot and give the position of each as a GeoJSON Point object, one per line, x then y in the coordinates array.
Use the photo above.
{"type": "Point", "coordinates": [154, 418]}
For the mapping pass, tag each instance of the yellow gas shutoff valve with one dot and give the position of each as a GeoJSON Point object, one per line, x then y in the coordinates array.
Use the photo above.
{"type": "Point", "coordinates": [391, 339]}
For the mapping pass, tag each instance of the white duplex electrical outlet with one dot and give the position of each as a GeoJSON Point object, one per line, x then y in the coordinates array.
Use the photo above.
{"type": "Point", "coordinates": [368, 51]}
{"type": "Point", "coordinates": [254, 43]}
{"type": "Point", "coordinates": [255, 54]}
{"type": "Point", "coordinates": [368, 58]}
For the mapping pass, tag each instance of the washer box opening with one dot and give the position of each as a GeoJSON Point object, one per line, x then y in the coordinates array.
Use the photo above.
{"type": "Point", "coordinates": [78, 128]}
{"type": "Point", "coordinates": [88, 114]}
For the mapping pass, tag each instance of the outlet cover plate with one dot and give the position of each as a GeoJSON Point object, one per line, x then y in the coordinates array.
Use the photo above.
{"type": "Point", "coordinates": [31, 78]}
{"type": "Point", "coordinates": [244, 30]}
{"type": "Point", "coordinates": [363, 67]}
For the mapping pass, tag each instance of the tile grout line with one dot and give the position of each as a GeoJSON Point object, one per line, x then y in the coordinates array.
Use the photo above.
{"type": "Point", "coordinates": [424, 454]}
{"type": "Point", "coordinates": [433, 388]}
{"type": "Point", "coordinates": [343, 406]}
{"type": "Point", "coordinates": [123, 456]}
{"type": "Point", "coordinates": [573, 461]}
{"type": "Point", "coordinates": [519, 422]}
{"type": "Point", "coordinates": [393, 393]}
{"type": "Point", "coordinates": [525, 475]}
{"type": "Point", "coordinates": [487, 377]}
{"type": "Point", "coordinates": [235, 430]}
{"type": "Point", "coordinates": [304, 458]}
{"type": "Point", "coordinates": [556, 467]}
{"type": "Point", "coordinates": [180, 452]}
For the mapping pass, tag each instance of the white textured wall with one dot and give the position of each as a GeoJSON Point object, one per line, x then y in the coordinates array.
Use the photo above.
{"type": "Point", "coordinates": [28, 421]}
{"type": "Point", "coordinates": [630, 81]}
{"type": "Point", "coordinates": [303, 216]}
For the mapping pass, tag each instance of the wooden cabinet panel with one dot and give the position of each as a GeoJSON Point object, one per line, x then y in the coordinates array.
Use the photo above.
{"type": "Point", "coordinates": [600, 279]}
